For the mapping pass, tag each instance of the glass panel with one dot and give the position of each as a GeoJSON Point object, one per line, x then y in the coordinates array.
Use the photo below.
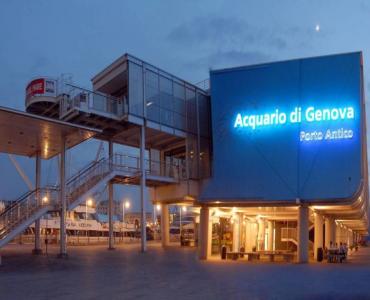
{"type": "Point", "coordinates": [152, 96]}
{"type": "Point", "coordinates": [99, 102]}
{"type": "Point", "coordinates": [179, 106]}
{"type": "Point", "coordinates": [193, 156]}
{"type": "Point", "coordinates": [135, 89]}
{"type": "Point", "coordinates": [166, 101]}
{"type": "Point", "coordinates": [191, 109]}
{"type": "Point", "coordinates": [204, 115]}
{"type": "Point", "coordinates": [204, 158]}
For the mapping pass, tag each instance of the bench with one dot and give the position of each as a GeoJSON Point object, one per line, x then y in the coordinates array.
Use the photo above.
{"type": "Point", "coordinates": [253, 256]}
{"type": "Point", "coordinates": [287, 257]}
{"type": "Point", "coordinates": [234, 255]}
{"type": "Point", "coordinates": [335, 257]}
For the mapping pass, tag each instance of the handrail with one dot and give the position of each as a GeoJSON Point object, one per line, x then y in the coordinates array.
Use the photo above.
{"type": "Point", "coordinates": [80, 98]}
{"type": "Point", "coordinates": [15, 202]}
{"type": "Point", "coordinates": [289, 233]}
{"type": "Point", "coordinates": [92, 92]}
{"type": "Point", "coordinates": [84, 170]}
{"type": "Point", "coordinates": [25, 208]}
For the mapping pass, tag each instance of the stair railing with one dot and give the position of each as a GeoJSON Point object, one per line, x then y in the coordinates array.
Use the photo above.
{"type": "Point", "coordinates": [84, 181]}
{"type": "Point", "coordinates": [24, 207]}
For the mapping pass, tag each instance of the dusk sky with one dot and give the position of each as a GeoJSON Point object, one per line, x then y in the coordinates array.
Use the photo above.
{"type": "Point", "coordinates": [185, 38]}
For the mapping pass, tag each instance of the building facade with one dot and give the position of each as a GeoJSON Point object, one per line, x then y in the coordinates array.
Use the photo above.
{"type": "Point", "coordinates": [289, 157]}
{"type": "Point", "coordinates": [273, 156]}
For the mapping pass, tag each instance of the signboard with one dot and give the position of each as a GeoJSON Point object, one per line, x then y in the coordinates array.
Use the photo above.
{"type": "Point", "coordinates": [287, 130]}
{"type": "Point", "coordinates": [41, 87]}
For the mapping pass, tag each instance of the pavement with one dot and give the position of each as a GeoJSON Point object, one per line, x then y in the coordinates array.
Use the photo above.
{"type": "Point", "coordinates": [93, 272]}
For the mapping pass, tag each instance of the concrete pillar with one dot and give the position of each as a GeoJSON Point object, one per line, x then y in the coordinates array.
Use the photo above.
{"type": "Point", "coordinates": [270, 243]}
{"type": "Point", "coordinates": [142, 188]}
{"type": "Point", "coordinates": [236, 233]}
{"type": "Point", "coordinates": [110, 201]}
{"type": "Point", "coordinates": [37, 250]}
{"type": "Point", "coordinates": [261, 235]}
{"type": "Point", "coordinates": [337, 234]}
{"type": "Point", "coordinates": [63, 200]}
{"type": "Point", "coordinates": [165, 225]}
{"type": "Point", "coordinates": [347, 236]}
{"type": "Point", "coordinates": [302, 255]}
{"type": "Point", "coordinates": [205, 234]}
{"type": "Point", "coordinates": [329, 231]}
{"type": "Point", "coordinates": [319, 234]}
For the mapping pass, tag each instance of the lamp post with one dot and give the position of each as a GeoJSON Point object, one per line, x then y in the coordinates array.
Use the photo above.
{"type": "Point", "coordinates": [183, 208]}
{"type": "Point", "coordinates": [45, 200]}
{"type": "Point", "coordinates": [88, 203]}
{"type": "Point", "coordinates": [125, 205]}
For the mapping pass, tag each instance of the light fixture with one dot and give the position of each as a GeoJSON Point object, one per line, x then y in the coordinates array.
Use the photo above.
{"type": "Point", "coordinates": [45, 199]}
{"type": "Point", "coordinates": [184, 208]}
{"type": "Point", "coordinates": [158, 206]}
{"type": "Point", "coordinates": [89, 202]}
{"type": "Point", "coordinates": [127, 204]}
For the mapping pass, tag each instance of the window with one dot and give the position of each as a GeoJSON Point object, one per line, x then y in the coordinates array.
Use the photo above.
{"type": "Point", "coordinates": [135, 89]}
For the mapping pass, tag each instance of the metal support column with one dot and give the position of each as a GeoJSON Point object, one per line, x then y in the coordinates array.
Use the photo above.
{"type": "Point", "coordinates": [270, 241]}
{"type": "Point", "coordinates": [165, 225]}
{"type": "Point", "coordinates": [110, 201]}
{"type": "Point", "coordinates": [205, 234]}
{"type": "Point", "coordinates": [37, 250]}
{"type": "Point", "coordinates": [63, 201]}
{"type": "Point", "coordinates": [142, 188]}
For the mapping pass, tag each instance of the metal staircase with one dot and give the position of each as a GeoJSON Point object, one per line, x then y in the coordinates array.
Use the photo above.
{"type": "Point", "coordinates": [290, 235]}
{"type": "Point", "coordinates": [34, 204]}
{"type": "Point", "coordinates": [23, 212]}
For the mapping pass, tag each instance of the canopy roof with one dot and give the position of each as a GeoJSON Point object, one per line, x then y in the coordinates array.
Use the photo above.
{"type": "Point", "coordinates": [26, 134]}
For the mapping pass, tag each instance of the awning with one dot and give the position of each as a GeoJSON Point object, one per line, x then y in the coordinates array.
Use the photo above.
{"type": "Point", "coordinates": [22, 133]}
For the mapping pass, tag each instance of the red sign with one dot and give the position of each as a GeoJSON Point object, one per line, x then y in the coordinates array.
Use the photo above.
{"type": "Point", "coordinates": [36, 86]}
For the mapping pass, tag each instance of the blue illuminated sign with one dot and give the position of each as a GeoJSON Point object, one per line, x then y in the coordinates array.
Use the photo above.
{"type": "Point", "coordinates": [309, 115]}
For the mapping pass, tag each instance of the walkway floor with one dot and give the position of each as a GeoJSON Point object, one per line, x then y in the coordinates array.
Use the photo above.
{"type": "Point", "coordinates": [93, 272]}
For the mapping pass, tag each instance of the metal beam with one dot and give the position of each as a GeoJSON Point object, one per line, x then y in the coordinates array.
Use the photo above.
{"type": "Point", "coordinates": [110, 201]}
{"type": "Point", "coordinates": [142, 188]}
{"type": "Point", "coordinates": [21, 172]}
{"type": "Point", "coordinates": [37, 250]}
{"type": "Point", "coordinates": [63, 200]}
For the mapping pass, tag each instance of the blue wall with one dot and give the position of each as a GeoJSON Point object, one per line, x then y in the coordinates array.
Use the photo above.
{"type": "Point", "coordinates": [271, 162]}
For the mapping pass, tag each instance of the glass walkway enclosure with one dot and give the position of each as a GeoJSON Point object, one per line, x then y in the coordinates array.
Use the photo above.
{"type": "Point", "coordinates": [176, 113]}
{"type": "Point", "coordinates": [131, 93]}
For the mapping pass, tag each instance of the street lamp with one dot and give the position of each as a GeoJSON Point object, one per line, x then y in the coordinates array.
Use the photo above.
{"type": "Point", "coordinates": [183, 208]}
{"type": "Point", "coordinates": [125, 205]}
{"type": "Point", "coordinates": [89, 202]}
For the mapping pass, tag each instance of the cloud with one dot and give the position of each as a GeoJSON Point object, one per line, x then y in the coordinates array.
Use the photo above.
{"type": "Point", "coordinates": [236, 34]}
{"type": "Point", "coordinates": [223, 59]}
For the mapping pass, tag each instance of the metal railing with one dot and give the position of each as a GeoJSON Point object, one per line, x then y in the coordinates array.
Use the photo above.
{"type": "Point", "coordinates": [289, 233]}
{"type": "Point", "coordinates": [84, 181]}
{"type": "Point", "coordinates": [163, 169]}
{"type": "Point", "coordinates": [152, 167]}
{"type": "Point", "coordinates": [30, 203]}
{"type": "Point", "coordinates": [96, 102]}
{"type": "Point", "coordinates": [25, 207]}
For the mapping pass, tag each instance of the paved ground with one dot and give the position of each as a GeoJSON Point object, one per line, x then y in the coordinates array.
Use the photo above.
{"type": "Point", "coordinates": [174, 273]}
